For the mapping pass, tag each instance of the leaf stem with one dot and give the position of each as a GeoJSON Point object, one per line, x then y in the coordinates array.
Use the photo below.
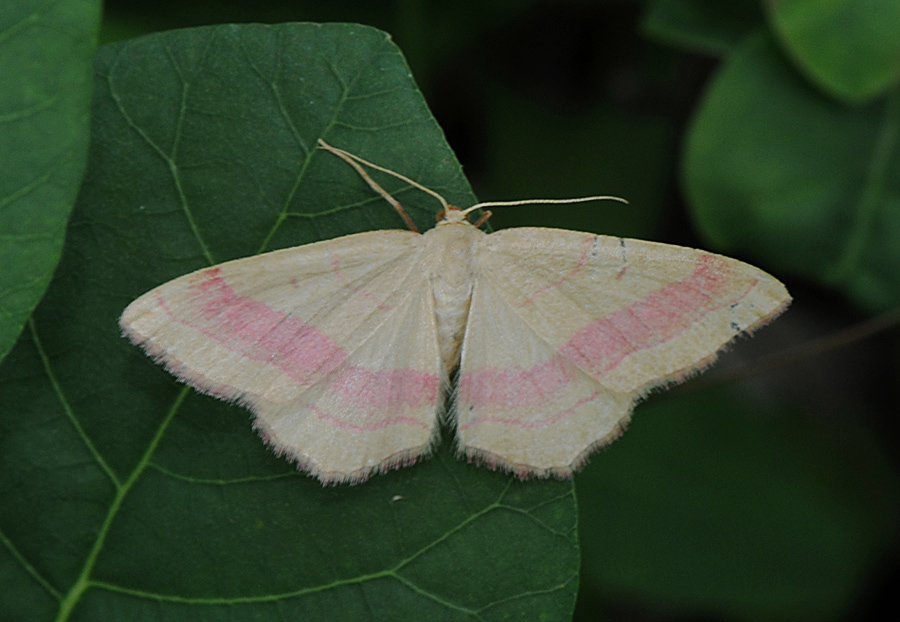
{"type": "Point", "coordinates": [83, 582]}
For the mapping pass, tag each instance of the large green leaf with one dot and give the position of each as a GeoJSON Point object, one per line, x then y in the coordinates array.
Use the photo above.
{"type": "Point", "coordinates": [778, 171]}
{"type": "Point", "coordinates": [45, 86]}
{"type": "Point", "coordinates": [850, 48]}
{"type": "Point", "coordinates": [127, 496]}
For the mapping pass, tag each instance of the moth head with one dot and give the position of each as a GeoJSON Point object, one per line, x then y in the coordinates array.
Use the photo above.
{"type": "Point", "coordinates": [452, 215]}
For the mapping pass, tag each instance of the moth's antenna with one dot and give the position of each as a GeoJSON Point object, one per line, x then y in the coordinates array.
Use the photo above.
{"type": "Point", "coordinates": [543, 201]}
{"type": "Point", "coordinates": [355, 161]}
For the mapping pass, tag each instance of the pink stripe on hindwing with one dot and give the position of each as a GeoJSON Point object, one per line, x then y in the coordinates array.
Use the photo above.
{"type": "Point", "coordinates": [384, 390]}
{"type": "Point", "coordinates": [515, 386]}
{"type": "Point", "coordinates": [534, 424]}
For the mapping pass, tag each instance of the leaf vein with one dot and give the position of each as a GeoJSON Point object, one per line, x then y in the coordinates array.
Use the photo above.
{"type": "Point", "coordinates": [23, 561]}
{"type": "Point", "coordinates": [84, 582]}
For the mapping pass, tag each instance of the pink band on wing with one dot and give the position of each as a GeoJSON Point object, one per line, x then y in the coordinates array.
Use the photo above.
{"type": "Point", "coordinates": [655, 319]}
{"type": "Point", "coordinates": [534, 424]}
{"type": "Point", "coordinates": [385, 390]}
{"type": "Point", "coordinates": [269, 337]}
{"type": "Point", "coordinates": [258, 332]}
{"type": "Point", "coordinates": [515, 387]}
{"type": "Point", "coordinates": [603, 344]}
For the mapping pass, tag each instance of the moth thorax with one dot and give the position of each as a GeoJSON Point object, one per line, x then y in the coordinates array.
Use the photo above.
{"type": "Point", "coordinates": [451, 310]}
{"type": "Point", "coordinates": [451, 248]}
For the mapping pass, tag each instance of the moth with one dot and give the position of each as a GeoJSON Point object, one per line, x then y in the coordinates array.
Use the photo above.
{"type": "Point", "coordinates": [345, 349]}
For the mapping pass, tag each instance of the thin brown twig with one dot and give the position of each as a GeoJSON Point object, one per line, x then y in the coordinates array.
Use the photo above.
{"type": "Point", "coordinates": [833, 341]}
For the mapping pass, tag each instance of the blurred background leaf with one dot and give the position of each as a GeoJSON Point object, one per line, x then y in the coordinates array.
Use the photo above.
{"type": "Point", "coordinates": [684, 517]}
{"type": "Point", "coordinates": [709, 26]}
{"type": "Point", "coordinates": [45, 92]}
{"type": "Point", "coordinates": [773, 167]}
{"type": "Point", "coordinates": [849, 48]}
